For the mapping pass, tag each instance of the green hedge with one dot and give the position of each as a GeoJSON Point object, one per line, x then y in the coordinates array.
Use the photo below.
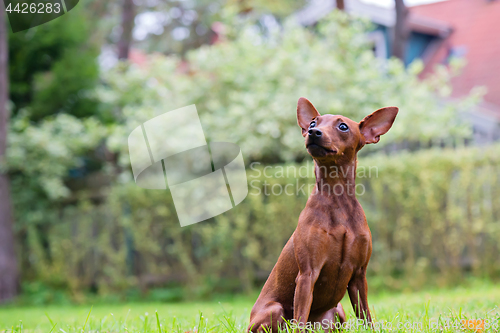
{"type": "Point", "coordinates": [434, 216]}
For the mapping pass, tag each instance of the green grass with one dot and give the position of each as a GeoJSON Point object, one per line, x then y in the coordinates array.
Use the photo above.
{"type": "Point", "coordinates": [478, 302]}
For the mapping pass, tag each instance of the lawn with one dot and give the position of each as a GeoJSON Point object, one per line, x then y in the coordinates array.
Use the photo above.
{"type": "Point", "coordinates": [424, 311]}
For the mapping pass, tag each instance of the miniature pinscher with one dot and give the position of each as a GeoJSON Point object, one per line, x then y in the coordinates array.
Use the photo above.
{"type": "Point", "coordinates": [329, 251]}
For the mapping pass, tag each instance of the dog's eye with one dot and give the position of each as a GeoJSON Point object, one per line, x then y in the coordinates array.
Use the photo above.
{"type": "Point", "coordinates": [343, 127]}
{"type": "Point", "coordinates": [313, 124]}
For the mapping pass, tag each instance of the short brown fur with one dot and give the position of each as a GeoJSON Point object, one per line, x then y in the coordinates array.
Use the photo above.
{"type": "Point", "coordinates": [329, 251]}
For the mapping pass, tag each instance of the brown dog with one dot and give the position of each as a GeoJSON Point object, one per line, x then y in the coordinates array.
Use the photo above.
{"type": "Point", "coordinates": [330, 249]}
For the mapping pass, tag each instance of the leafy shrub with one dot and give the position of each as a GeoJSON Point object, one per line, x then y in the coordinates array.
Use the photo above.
{"type": "Point", "coordinates": [246, 89]}
{"type": "Point", "coordinates": [434, 216]}
{"type": "Point", "coordinates": [119, 237]}
{"type": "Point", "coordinates": [53, 67]}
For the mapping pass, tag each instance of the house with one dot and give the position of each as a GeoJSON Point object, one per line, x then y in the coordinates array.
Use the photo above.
{"type": "Point", "coordinates": [474, 38]}
{"type": "Point", "coordinates": [426, 34]}
{"type": "Point", "coordinates": [459, 28]}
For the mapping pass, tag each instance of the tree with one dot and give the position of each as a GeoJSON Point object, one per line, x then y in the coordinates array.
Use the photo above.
{"type": "Point", "coordinates": [340, 4]}
{"type": "Point", "coordinates": [176, 27]}
{"type": "Point", "coordinates": [226, 87]}
{"type": "Point", "coordinates": [53, 67]}
{"type": "Point", "coordinates": [128, 15]}
{"type": "Point", "coordinates": [401, 31]}
{"type": "Point", "coordinates": [8, 262]}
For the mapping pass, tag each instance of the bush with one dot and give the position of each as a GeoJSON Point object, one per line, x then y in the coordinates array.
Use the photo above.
{"type": "Point", "coordinates": [434, 216]}
{"type": "Point", "coordinates": [246, 89]}
{"type": "Point", "coordinates": [79, 238]}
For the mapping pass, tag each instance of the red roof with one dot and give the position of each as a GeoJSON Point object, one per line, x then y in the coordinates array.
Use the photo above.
{"type": "Point", "coordinates": [475, 33]}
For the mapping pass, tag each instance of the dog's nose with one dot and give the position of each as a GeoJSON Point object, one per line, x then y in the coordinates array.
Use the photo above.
{"type": "Point", "coordinates": [314, 132]}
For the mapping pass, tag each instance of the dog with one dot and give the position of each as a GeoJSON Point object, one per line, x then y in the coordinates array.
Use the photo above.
{"type": "Point", "coordinates": [329, 250]}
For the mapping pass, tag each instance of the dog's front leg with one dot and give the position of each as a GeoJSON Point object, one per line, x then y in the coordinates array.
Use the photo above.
{"type": "Point", "coordinates": [303, 297]}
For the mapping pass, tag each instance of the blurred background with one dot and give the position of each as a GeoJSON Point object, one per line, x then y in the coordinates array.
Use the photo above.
{"type": "Point", "coordinates": [74, 227]}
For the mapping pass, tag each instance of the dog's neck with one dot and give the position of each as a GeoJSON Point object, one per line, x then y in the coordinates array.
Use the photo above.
{"type": "Point", "coordinates": [336, 179]}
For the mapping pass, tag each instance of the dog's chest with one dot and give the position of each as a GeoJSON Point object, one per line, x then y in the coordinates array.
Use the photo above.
{"type": "Point", "coordinates": [349, 252]}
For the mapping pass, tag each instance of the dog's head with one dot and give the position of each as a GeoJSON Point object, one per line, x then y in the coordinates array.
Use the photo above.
{"type": "Point", "coordinates": [337, 139]}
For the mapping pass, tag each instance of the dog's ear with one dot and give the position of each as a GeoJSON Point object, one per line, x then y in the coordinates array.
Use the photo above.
{"type": "Point", "coordinates": [306, 112]}
{"type": "Point", "coordinates": [378, 123]}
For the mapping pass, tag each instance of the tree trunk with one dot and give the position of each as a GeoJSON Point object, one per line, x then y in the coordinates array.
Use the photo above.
{"type": "Point", "coordinates": [340, 4]}
{"type": "Point", "coordinates": [401, 31]}
{"type": "Point", "coordinates": [8, 262]}
{"type": "Point", "coordinates": [128, 16]}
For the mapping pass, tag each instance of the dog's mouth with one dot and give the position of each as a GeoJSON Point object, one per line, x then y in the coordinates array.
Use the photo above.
{"type": "Point", "coordinates": [315, 146]}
